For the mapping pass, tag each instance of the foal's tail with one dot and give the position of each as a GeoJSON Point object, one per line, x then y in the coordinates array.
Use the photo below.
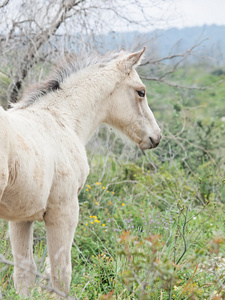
{"type": "Point", "coordinates": [4, 151]}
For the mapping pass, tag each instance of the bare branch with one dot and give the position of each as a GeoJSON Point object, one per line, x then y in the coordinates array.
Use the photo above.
{"type": "Point", "coordinates": [6, 2]}
{"type": "Point", "coordinates": [181, 55]}
{"type": "Point", "coordinates": [177, 85]}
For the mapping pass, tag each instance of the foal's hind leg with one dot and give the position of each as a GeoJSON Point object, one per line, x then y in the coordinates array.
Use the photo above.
{"type": "Point", "coordinates": [21, 235]}
{"type": "Point", "coordinates": [61, 223]}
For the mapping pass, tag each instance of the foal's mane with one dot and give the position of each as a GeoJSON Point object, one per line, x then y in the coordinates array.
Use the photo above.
{"type": "Point", "coordinates": [67, 66]}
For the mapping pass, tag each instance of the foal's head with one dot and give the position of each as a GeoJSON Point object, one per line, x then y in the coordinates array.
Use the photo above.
{"type": "Point", "coordinates": [129, 110]}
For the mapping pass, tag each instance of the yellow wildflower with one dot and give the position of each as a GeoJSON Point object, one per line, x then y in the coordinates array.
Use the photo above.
{"type": "Point", "coordinates": [113, 193]}
{"type": "Point", "coordinates": [90, 216]}
{"type": "Point", "coordinates": [95, 217]}
{"type": "Point", "coordinates": [103, 187]}
{"type": "Point", "coordinates": [92, 222]}
{"type": "Point", "coordinates": [123, 204]}
{"type": "Point", "coordinates": [103, 225]}
{"type": "Point", "coordinates": [96, 203]}
{"type": "Point", "coordinates": [97, 221]}
{"type": "Point", "coordinates": [87, 190]}
{"type": "Point", "coordinates": [86, 224]}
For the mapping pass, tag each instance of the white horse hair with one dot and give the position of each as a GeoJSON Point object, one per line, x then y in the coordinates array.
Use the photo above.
{"type": "Point", "coordinates": [43, 163]}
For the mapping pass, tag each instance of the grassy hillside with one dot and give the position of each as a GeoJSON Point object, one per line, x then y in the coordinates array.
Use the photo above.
{"type": "Point", "coordinates": [151, 224]}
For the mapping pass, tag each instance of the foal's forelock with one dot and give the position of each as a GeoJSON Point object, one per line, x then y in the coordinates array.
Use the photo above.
{"type": "Point", "coordinates": [68, 66]}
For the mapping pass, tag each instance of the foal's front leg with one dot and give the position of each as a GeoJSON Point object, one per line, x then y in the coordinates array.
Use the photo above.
{"type": "Point", "coordinates": [61, 223]}
{"type": "Point", "coordinates": [21, 235]}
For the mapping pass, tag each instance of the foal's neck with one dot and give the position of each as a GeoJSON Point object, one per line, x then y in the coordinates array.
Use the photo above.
{"type": "Point", "coordinates": [86, 98]}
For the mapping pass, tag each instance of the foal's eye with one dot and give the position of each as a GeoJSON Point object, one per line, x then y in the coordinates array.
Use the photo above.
{"type": "Point", "coordinates": [141, 93]}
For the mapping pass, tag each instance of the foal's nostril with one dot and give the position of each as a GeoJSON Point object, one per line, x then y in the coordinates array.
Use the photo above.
{"type": "Point", "coordinates": [154, 143]}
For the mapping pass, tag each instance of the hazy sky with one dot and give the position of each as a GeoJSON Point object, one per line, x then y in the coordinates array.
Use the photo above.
{"type": "Point", "coordinates": [199, 12]}
{"type": "Point", "coordinates": [163, 14]}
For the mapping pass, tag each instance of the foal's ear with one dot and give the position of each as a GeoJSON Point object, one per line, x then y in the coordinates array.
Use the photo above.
{"type": "Point", "coordinates": [132, 60]}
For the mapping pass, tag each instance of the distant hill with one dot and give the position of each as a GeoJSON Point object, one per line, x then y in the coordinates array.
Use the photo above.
{"type": "Point", "coordinates": [174, 40]}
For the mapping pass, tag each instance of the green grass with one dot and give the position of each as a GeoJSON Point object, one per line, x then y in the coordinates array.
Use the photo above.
{"type": "Point", "coordinates": [131, 241]}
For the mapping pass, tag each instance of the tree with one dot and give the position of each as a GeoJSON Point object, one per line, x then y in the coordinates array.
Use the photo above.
{"type": "Point", "coordinates": [33, 33]}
